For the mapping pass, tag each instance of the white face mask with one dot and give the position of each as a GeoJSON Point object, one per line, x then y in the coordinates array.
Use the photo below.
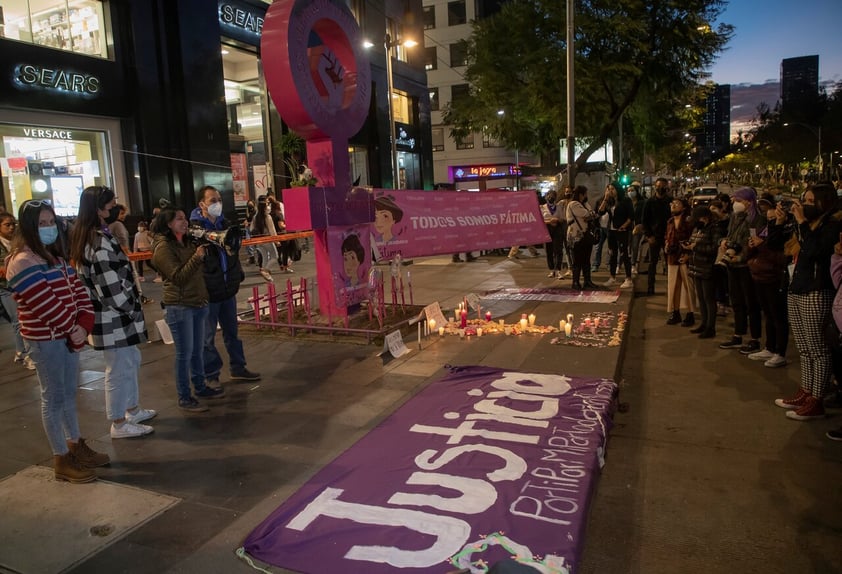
{"type": "Point", "coordinates": [738, 207]}
{"type": "Point", "coordinates": [215, 209]}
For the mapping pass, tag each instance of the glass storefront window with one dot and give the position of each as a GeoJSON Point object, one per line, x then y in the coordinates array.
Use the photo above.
{"type": "Point", "coordinates": [245, 101]}
{"type": "Point", "coordinates": [402, 106]}
{"type": "Point", "coordinates": [54, 163]}
{"type": "Point", "coordinates": [71, 25]}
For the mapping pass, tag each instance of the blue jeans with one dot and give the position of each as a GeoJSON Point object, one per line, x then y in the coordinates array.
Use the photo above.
{"type": "Point", "coordinates": [121, 367]}
{"type": "Point", "coordinates": [11, 307]}
{"type": "Point", "coordinates": [225, 314]}
{"type": "Point", "coordinates": [187, 325]}
{"type": "Point", "coordinates": [58, 375]}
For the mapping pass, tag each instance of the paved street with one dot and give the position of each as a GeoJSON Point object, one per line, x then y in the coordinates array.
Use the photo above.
{"type": "Point", "coordinates": [703, 472]}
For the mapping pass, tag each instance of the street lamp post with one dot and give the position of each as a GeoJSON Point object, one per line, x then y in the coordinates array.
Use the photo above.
{"type": "Point", "coordinates": [816, 131]}
{"type": "Point", "coordinates": [392, 43]}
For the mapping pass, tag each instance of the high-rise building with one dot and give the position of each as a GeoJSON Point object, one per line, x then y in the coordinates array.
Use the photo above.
{"type": "Point", "coordinates": [799, 80]}
{"type": "Point", "coordinates": [713, 139]}
{"type": "Point", "coordinates": [478, 161]}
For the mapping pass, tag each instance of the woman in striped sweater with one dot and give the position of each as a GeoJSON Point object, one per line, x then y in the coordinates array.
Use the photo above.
{"type": "Point", "coordinates": [55, 318]}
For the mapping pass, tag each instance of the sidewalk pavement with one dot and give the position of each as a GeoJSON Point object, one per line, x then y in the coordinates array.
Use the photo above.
{"type": "Point", "coordinates": [229, 468]}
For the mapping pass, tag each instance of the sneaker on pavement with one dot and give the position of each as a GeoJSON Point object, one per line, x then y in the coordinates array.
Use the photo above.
{"type": "Point", "coordinates": [129, 430]}
{"type": "Point", "coordinates": [627, 284]}
{"type": "Point", "coordinates": [211, 393]}
{"type": "Point", "coordinates": [566, 274]}
{"type": "Point", "coordinates": [551, 274]}
{"type": "Point", "coordinates": [834, 434]}
{"type": "Point", "coordinates": [213, 382]}
{"type": "Point", "coordinates": [751, 347]}
{"type": "Point", "coordinates": [762, 355]}
{"type": "Point", "coordinates": [191, 405]}
{"type": "Point", "coordinates": [634, 270]}
{"type": "Point", "coordinates": [793, 402]}
{"type": "Point", "coordinates": [141, 415]}
{"type": "Point", "coordinates": [610, 283]}
{"type": "Point", "coordinates": [812, 409]}
{"type": "Point", "coordinates": [266, 275]}
{"type": "Point", "coordinates": [775, 361]}
{"type": "Point", "coordinates": [19, 357]}
{"type": "Point", "coordinates": [245, 375]}
{"type": "Point", "coordinates": [29, 363]}
{"type": "Point", "coordinates": [735, 342]}
{"type": "Point", "coordinates": [158, 279]}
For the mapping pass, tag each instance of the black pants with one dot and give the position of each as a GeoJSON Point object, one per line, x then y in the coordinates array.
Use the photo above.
{"type": "Point", "coordinates": [744, 302]}
{"type": "Point", "coordinates": [618, 245]}
{"type": "Point", "coordinates": [582, 259]}
{"type": "Point", "coordinates": [654, 254]}
{"type": "Point", "coordinates": [706, 293]}
{"type": "Point", "coordinates": [772, 300]}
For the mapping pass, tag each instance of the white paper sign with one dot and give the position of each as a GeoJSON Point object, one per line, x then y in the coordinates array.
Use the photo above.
{"type": "Point", "coordinates": [393, 343]}
{"type": "Point", "coordinates": [473, 301]}
{"type": "Point", "coordinates": [433, 311]}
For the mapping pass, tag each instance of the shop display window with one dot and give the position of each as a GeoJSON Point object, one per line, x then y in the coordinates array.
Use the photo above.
{"type": "Point", "coordinates": [53, 163]}
{"type": "Point", "coordinates": [70, 25]}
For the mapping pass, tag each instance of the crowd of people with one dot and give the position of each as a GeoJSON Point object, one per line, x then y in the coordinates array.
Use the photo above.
{"type": "Point", "coordinates": [65, 287]}
{"type": "Point", "coordinates": [773, 262]}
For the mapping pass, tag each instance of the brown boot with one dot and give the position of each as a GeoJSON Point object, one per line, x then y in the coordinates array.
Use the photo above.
{"type": "Point", "coordinates": [69, 469]}
{"type": "Point", "coordinates": [812, 408]}
{"type": "Point", "coordinates": [795, 402]}
{"type": "Point", "coordinates": [86, 456]}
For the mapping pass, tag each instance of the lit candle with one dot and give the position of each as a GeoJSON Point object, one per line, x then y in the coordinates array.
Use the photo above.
{"type": "Point", "coordinates": [461, 333]}
{"type": "Point", "coordinates": [432, 324]}
{"type": "Point", "coordinates": [419, 334]}
{"type": "Point", "coordinates": [568, 329]}
{"type": "Point", "coordinates": [532, 319]}
{"type": "Point", "coordinates": [488, 315]}
{"type": "Point", "coordinates": [479, 331]}
{"type": "Point", "coordinates": [523, 323]}
{"type": "Point", "coordinates": [458, 310]}
{"type": "Point", "coordinates": [596, 322]}
{"type": "Point", "coordinates": [570, 317]}
{"type": "Point", "coordinates": [441, 331]}
{"type": "Point", "coordinates": [502, 322]}
{"type": "Point", "coordinates": [464, 322]}
{"type": "Point", "coordinates": [561, 325]}
{"type": "Point", "coordinates": [507, 330]}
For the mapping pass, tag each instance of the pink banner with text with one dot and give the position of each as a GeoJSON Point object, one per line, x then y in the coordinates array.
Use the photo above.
{"type": "Point", "coordinates": [418, 223]}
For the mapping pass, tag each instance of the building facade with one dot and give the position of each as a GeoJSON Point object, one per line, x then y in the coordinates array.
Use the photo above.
{"type": "Point", "coordinates": [477, 162]}
{"type": "Point", "coordinates": [157, 99]}
{"type": "Point", "coordinates": [799, 81]}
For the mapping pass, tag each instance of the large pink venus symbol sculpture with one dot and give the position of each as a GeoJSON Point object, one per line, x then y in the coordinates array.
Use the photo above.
{"type": "Point", "coordinates": [319, 78]}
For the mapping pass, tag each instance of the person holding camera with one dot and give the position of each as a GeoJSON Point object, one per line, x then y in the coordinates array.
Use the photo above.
{"type": "Point", "coordinates": [185, 301]}
{"type": "Point", "coordinates": [680, 289]}
{"type": "Point", "coordinates": [223, 275]}
{"type": "Point", "coordinates": [746, 221]}
{"type": "Point", "coordinates": [811, 294]}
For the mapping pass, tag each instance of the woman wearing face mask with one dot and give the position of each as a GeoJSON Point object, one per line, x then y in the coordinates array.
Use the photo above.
{"type": "Point", "coordinates": [56, 316]}
{"type": "Point", "coordinates": [680, 289]}
{"type": "Point", "coordinates": [119, 327]}
{"type": "Point", "coordinates": [704, 243]}
{"type": "Point", "coordinates": [745, 222]}
{"type": "Point", "coordinates": [811, 295]}
{"type": "Point", "coordinates": [579, 214]}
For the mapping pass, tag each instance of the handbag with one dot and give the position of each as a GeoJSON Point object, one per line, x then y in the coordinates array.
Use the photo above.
{"type": "Point", "coordinates": [591, 232]}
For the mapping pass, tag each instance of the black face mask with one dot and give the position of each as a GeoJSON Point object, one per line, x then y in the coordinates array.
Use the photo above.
{"type": "Point", "coordinates": [701, 224]}
{"type": "Point", "coordinates": [811, 212]}
{"type": "Point", "coordinates": [113, 214]}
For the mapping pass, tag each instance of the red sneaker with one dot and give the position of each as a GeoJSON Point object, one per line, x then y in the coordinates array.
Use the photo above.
{"type": "Point", "coordinates": [795, 402]}
{"type": "Point", "coordinates": [812, 408]}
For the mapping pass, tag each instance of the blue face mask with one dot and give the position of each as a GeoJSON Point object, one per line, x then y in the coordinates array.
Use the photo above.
{"type": "Point", "coordinates": [48, 235]}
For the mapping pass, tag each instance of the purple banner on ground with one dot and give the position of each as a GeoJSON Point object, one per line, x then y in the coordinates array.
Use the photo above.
{"type": "Point", "coordinates": [420, 223]}
{"type": "Point", "coordinates": [482, 465]}
{"type": "Point", "coordinates": [552, 294]}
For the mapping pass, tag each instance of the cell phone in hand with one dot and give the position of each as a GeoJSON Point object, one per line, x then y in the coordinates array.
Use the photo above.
{"type": "Point", "coordinates": [752, 232]}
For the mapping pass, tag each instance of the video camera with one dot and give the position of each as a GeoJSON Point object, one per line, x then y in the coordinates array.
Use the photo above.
{"type": "Point", "coordinates": [229, 239]}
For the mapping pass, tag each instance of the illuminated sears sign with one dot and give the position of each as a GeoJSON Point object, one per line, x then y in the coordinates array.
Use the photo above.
{"type": "Point", "coordinates": [241, 17]}
{"type": "Point", "coordinates": [56, 79]}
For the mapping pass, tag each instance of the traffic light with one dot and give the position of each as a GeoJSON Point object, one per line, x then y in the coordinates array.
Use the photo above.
{"type": "Point", "coordinates": [625, 179]}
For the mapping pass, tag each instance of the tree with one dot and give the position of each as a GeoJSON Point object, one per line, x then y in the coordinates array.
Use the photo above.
{"type": "Point", "coordinates": [632, 57]}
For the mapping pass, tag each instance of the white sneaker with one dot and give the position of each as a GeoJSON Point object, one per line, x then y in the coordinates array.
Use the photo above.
{"type": "Point", "coordinates": [627, 284]}
{"type": "Point", "coordinates": [158, 279]}
{"type": "Point", "coordinates": [27, 362]}
{"type": "Point", "coordinates": [551, 274]}
{"type": "Point", "coordinates": [634, 270]}
{"type": "Point", "coordinates": [129, 430]}
{"type": "Point", "coordinates": [141, 415]}
{"type": "Point", "coordinates": [775, 361]}
{"type": "Point", "coordinates": [762, 355]}
{"type": "Point", "coordinates": [610, 283]}
{"type": "Point", "coordinates": [566, 274]}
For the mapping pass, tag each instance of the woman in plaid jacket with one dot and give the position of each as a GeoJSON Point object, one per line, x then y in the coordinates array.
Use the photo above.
{"type": "Point", "coordinates": [119, 327]}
